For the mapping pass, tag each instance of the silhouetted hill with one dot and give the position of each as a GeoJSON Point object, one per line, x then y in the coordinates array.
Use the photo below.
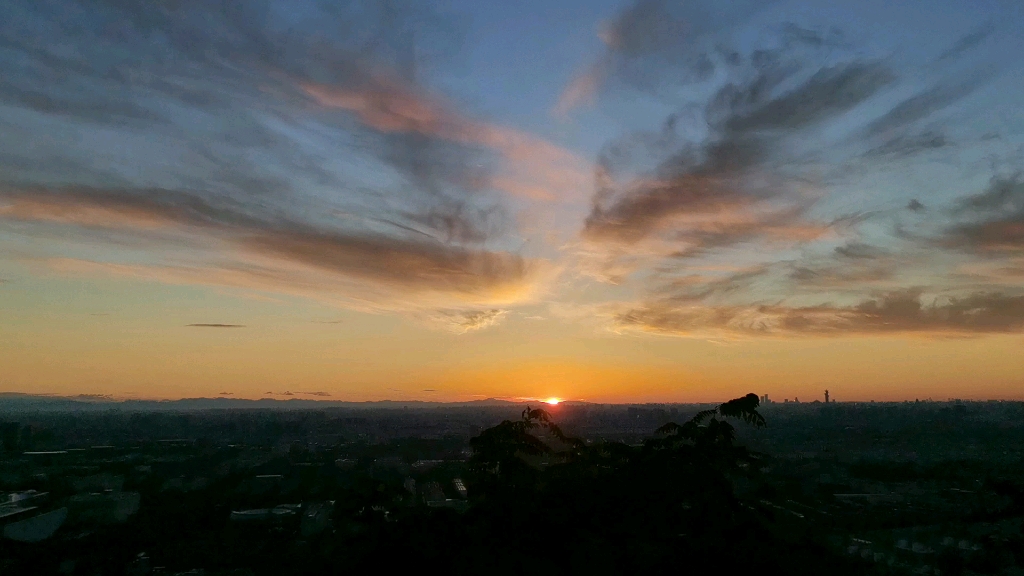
{"type": "Point", "coordinates": [20, 402]}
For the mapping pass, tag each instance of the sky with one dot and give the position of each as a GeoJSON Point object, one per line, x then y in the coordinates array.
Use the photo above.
{"type": "Point", "coordinates": [595, 200]}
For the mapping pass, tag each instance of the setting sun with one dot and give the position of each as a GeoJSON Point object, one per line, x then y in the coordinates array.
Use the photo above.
{"type": "Point", "coordinates": [553, 401]}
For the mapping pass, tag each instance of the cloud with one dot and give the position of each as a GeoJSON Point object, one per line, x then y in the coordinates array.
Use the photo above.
{"type": "Point", "coordinates": [903, 146]}
{"type": "Point", "coordinates": [94, 397]}
{"type": "Point", "coordinates": [729, 187]}
{"type": "Point", "coordinates": [532, 167]}
{"type": "Point", "coordinates": [766, 141]}
{"type": "Point", "coordinates": [651, 40]}
{"type": "Point", "coordinates": [215, 325]}
{"type": "Point", "coordinates": [290, 146]}
{"type": "Point", "coordinates": [991, 222]}
{"type": "Point", "coordinates": [399, 264]}
{"type": "Point", "coordinates": [829, 92]}
{"type": "Point", "coordinates": [269, 252]}
{"type": "Point", "coordinates": [320, 394]}
{"type": "Point", "coordinates": [140, 209]}
{"type": "Point", "coordinates": [462, 321]}
{"type": "Point", "coordinates": [207, 53]}
{"type": "Point", "coordinates": [900, 312]}
{"type": "Point", "coordinates": [859, 250]}
{"type": "Point", "coordinates": [737, 152]}
{"type": "Point", "coordinates": [968, 42]}
{"type": "Point", "coordinates": [993, 272]}
{"type": "Point", "coordinates": [844, 276]}
{"type": "Point", "coordinates": [922, 105]}
{"type": "Point", "coordinates": [582, 90]}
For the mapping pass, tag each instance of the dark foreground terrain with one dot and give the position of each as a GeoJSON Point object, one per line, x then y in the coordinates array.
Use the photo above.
{"type": "Point", "coordinates": [894, 488]}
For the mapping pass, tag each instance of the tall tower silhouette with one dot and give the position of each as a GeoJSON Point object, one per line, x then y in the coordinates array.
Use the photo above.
{"type": "Point", "coordinates": [826, 396]}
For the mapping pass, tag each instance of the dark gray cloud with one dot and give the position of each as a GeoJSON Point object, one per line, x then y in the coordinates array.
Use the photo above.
{"type": "Point", "coordinates": [991, 222]}
{"type": "Point", "coordinates": [906, 145]}
{"type": "Point", "coordinates": [968, 42]}
{"type": "Point", "coordinates": [922, 105]}
{"type": "Point", "coordinates": [859, 250]}
{"type": "Point", "coordinates": [215, 325]}
{"type": "Point", "coordinates": [752, 122]}
{"type": "Point", "coordinates": [828, 93]}
{"type": "Point", "coordinates": [915, 205]}
{"type": "Point", "coordinates": [895, 312]}
{"type": "Point", "coordinates": [205, 53]}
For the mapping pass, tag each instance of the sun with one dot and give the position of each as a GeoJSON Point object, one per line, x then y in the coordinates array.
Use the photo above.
{"type": "Point", "coordinates": [553, 401]}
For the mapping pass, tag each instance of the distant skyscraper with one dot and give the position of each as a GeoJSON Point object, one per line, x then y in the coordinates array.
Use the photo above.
{"type": "Point", "coordinates": [826, 396]}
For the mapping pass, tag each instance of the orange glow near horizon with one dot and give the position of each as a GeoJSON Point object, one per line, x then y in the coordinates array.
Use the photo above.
{"type": "Point", "coordinates": [553, 401]}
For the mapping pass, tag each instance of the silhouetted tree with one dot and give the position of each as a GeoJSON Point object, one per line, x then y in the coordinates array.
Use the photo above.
{"type": "Point", "coordinates": [546, 502]}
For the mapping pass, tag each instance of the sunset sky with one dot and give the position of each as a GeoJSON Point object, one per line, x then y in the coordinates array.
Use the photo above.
{"type": "Point", "coordinates": [586, 199]}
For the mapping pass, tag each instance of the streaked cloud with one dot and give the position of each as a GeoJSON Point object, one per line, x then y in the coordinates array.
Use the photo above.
{"type": "Point", "coordinates": [892, 313]}
{"type": "Point", "coordinates": [288, 147]}
{"type": "Point", "coordinates": [411, 273]}
{"type": "Point", "coordinates": [531, 167]}
{"type": "Point", "coordinates": [462, 321]}
{"type": "Point", "coordinates": [991, 222]}
{"type": "Point", "coordinates": [752, 167]}
{"type": "Point", "coordinates": [653, 40]}
{"type": "Point", "coordinates": [746, 167]}
{"type": "Point", "coordinates": [215, 325]}
{"type": "Point", "coordinates": [968, 41]}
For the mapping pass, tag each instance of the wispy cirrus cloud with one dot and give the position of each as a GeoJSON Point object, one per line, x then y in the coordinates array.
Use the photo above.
{"type": "Point", "coordinates": [651, 41]}
{"type": "Point", "coordinates": [383, 272]}
{"type": "Point", "coordinates": [306, 148]}
{"type": "Point", "coordinates": [461, 321]}
{"type": "Point", "coordinates": [290, 147]}
{"type": "Point", "coordinates": [763, 134]}
{"type": "Point", "coordinates": [736, 183]}
{"type": "Point", "coordinates": [530, 166]}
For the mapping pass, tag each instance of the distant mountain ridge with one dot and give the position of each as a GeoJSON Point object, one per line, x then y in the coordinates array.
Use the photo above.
{"type": "Point", "coordinates": [23, 402]}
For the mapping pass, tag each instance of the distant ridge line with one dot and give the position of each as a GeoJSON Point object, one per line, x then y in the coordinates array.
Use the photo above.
{"type": "Point", "coordinates": [17, 401]}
